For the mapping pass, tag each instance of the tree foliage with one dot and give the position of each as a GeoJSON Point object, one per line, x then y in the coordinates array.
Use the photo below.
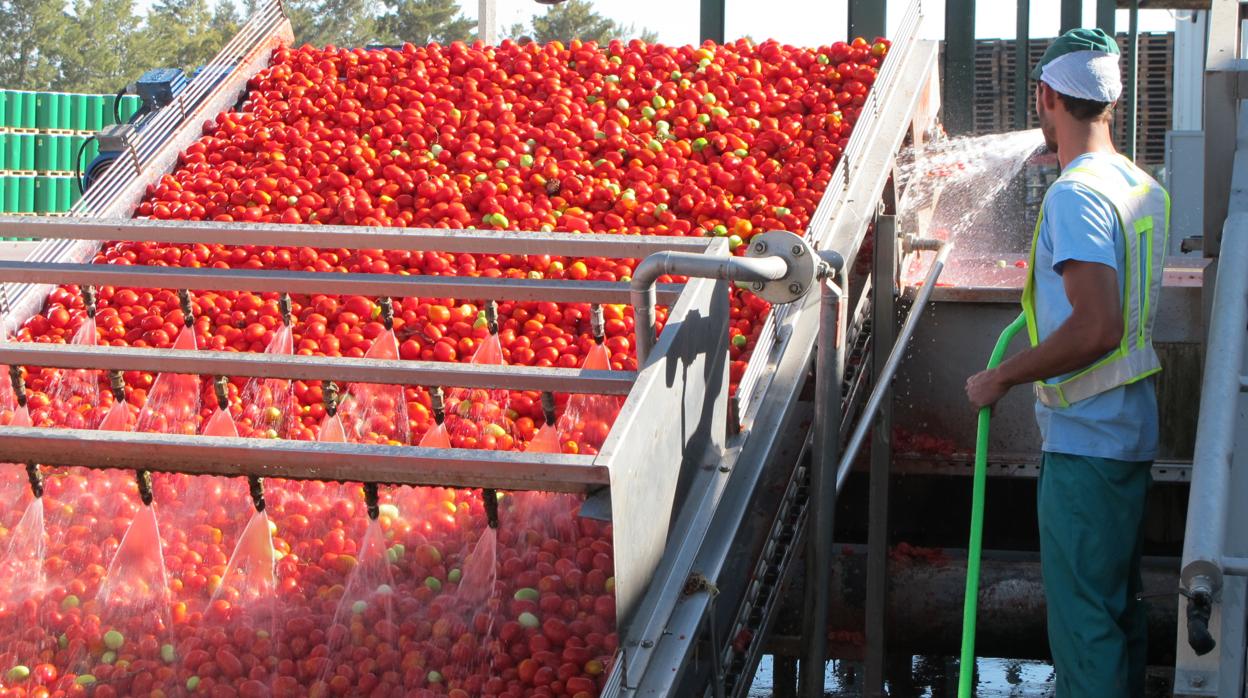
{"type": "Point", "coordinates": [100, 46]}
{"type": "Point", "coordinates": [576, 19]}
{"type": "Point", "coordinates": [425, 21]}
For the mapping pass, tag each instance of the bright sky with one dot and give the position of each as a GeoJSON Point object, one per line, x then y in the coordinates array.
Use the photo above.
{"type": "Point", "coordinates": [814, 22]}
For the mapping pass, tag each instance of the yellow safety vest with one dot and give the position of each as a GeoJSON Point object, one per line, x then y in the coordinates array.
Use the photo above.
{"type": "Point", "coordinates": [1144, 214]}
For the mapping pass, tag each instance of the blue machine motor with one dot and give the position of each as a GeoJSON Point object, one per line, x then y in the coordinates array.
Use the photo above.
{"type": "Point", "coordinates": [157, 88]}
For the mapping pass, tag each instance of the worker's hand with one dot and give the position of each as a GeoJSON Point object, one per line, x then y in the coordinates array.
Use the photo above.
{"type": "Point", "coordinates": [985, 388]}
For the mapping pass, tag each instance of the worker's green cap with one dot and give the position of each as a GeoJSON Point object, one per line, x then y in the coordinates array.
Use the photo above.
{"type": "Point", "coordinates": [1076, 40]}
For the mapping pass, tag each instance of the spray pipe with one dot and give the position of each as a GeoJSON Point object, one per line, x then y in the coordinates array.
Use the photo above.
{"type": "Point", "coordinates": [597, 326]}
{"type": "Point", "coordinates": [19, 393]}
{"type": "Point", "coordinates": [489, 497]}
{"type": "Point", "coordinates": [966, 666]}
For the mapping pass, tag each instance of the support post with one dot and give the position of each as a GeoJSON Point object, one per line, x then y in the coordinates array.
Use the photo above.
{"type": "Point", "coordinates": [785, 673]}
{"type": "Point", "coordinates": [868, 18]}
{"type": "Point", "coordinates": [1022, 66]}
{"type": "Point", "coordinates": [711, 26]}
{"type": "Point", "coordinates": [1105, 15]}
{"type": "Point", "coordinates": [883, 328]}
{"type": "Point", "coordinates": [1072, 15]}
{"type": "Point", "coordinates": [829, 375]}
{"type": "Point", "coordinates": [1133, 77]}
{"type": "Point", "coordinates": [487, 21]}
{"type": "Point", "coordinates": [959, 77]}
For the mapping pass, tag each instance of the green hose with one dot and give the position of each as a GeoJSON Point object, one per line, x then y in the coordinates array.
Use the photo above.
{"type": "Point", "coordinates": [966, 667]}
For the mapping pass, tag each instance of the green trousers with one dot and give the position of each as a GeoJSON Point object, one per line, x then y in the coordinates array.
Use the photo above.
{"type": "Point", "coordinates": [1091, 515]}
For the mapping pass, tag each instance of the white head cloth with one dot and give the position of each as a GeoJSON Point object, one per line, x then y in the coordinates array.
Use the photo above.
{"type": "Point", "coordinates": [1090, 75]}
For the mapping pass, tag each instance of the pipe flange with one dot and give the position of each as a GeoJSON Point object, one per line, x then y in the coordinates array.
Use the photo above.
{"type": "Point", "coordinates": [797, 253]}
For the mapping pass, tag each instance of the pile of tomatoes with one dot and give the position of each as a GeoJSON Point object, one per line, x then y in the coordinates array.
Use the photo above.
{"type": "Point", "coordinates": [626, 138]}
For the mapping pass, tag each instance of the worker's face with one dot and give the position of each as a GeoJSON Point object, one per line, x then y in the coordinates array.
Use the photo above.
{"type": "Point", "coordinates": [1045, 98]}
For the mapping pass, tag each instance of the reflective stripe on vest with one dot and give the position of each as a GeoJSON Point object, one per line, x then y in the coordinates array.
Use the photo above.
{"type": "Point", "coordinates": [1144, 216]}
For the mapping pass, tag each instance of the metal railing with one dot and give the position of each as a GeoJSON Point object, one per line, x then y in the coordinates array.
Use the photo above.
{"type": "Point", "coordinates": [1215, 540]}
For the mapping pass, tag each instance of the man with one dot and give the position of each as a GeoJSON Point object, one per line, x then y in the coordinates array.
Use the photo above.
{"type": "Point", "coordinates": [1092, 289]}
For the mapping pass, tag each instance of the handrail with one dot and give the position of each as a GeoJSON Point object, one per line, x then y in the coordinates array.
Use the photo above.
{"type": "Point", "coordinates": [1204, 539]}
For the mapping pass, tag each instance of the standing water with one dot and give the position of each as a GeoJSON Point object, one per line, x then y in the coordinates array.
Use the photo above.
{"type": "Point", "coordinates": [954, 189]}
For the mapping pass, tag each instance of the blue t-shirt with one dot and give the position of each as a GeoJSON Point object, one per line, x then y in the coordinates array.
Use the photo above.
{"type": "Point", "coordinates": [1080, 224]}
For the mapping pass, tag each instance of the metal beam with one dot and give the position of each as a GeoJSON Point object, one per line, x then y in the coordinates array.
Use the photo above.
{"type": "Point", "coordinates": [1072, 15]}
{"type": "Point", "coordinates": [868, 18]}
{"type": "Point", "coordinates": [373, 285]}
{"type": "Point", "coordinates": [259, 365]}
{"type": "Point", "coordinates": [1105, 10]}
{"type": "Point", "coordinates": [487, 21]}
{"type": "Point", "coordinates": [1022, 67]}
{"type": "Point", "coordinates": [884, 330]}
{"type": "Point", "coordinates": [959, 77]}
{"type": "Point", "coordinates": [1167, 4]}
{"type": "Point", "coordinates": [712, 20]}
{"type": "Point", "coordinates": [302, 460]}
{"type": "Point", "coordinates": [1133, 78]}
{"type": "Point", "coordinates": [348, 237]}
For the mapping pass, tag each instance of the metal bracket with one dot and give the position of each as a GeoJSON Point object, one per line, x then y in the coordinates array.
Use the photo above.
{"type": "Point", "coordinates": [802, 261]}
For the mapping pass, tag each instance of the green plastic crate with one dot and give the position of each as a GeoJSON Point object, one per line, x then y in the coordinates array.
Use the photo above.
{"type": "Point", "coordinates": [25, 189]}
{"type": "Point", "coordinates": [8, 194]}
{"type": "Point", "coordinates": [4, 109]}
{"type": "Point", "coordinates": [95, 112]}
{"type": "Point", "coordinates": [47, 110]}
{"type": "Point", "coordinates": [78, 112]}
{"type": "Point", "coordinates": [22, 109]}
{"type": "Point", "coordinates": [21, 152]}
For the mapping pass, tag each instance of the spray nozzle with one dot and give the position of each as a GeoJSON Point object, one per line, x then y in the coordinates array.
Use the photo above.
{"type": "Point", "coordinates": [219, 389]}
{"type": "Point", "coordinates": [329, 394]}
{"type": "Point", "coordinates": [144, 479]}
{"type": "Point", "coordinates": [372, 500]}
{"type": "Point", "coordinates": [117, 384]}
{"type": "Point", "coordinates": [36, 479]}
{"type": "Point", "coordinates": [548, 406]}
{"type": "Point", "coordinates": [19, 384]}
{"type": "Point", "coordinates": [491, 316]}
{"type": "Point", "coordinates": [490, 500]}
{"type": "Point", "coordinates": [596, 324]}
{"type": "Point", "coordinates": [88, 300]}
{"type": "Point", "coordinates": [387, 312]}
{"type": "Point", "coordinates": [255, 485]}
{"type": "Point", "coordinates": [184, 300]}
{"type": "Point", "coordinates": [437, 400]}
{"type": "Point", "coordinates": [284, 305]}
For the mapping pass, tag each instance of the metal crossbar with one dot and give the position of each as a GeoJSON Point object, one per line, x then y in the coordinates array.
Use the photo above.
{"type": "Point", "coordinates": [349, 237]}
{"type": "Point", "coordinates": [259, 365]}
{"type": "Point", "coordinates": [302, 460]}
{"type": "Point", "coordinates": [306, 282]}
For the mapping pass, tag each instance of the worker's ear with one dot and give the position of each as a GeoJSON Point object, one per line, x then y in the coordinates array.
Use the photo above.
{"type": "Point", "coordinates": [1045, 95]}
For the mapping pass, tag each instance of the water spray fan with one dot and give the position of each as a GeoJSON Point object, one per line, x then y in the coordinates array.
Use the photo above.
{"type": "Point", "coordinates": [974, 548]}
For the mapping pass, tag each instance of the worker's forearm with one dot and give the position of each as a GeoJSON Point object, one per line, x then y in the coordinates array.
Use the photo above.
{"type": "Point", "coordinates": [1070, 348]}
